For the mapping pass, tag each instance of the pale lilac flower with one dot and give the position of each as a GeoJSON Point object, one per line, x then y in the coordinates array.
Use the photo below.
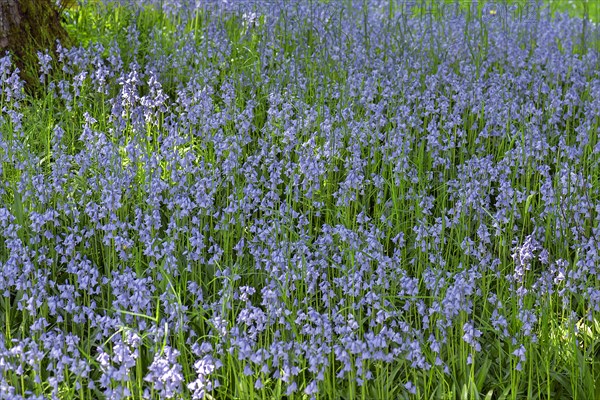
{"type": "Point", "coordinates": [165, 373]}
{"type": "Point", "coordinates": [520, 353]}
{"type": "Point", "coordinates": [471, 334]}
{"type": "Point", "coordinates": [410, 387]}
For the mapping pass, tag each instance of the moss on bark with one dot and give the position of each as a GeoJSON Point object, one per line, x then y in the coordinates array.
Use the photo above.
{"type": "Point", "coordinates": [30, 26]}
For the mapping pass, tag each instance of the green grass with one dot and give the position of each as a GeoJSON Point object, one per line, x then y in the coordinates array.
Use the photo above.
{"type": "Point", "coordinates": [575, 8]}
{"type": "Point", "coordinates": [561, 363]}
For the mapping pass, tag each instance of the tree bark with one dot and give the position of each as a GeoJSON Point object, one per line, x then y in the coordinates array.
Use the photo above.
{"type": "Point", "coordinates": [9, 19]}
{"type": "Point", "coordinates": [28, 26]}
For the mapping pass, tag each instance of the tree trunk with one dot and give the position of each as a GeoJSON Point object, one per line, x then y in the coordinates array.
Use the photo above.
{"type": "Point", "coordinates": [9, 19]}
{"type": "Point", "coordinates": [28, 26]}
